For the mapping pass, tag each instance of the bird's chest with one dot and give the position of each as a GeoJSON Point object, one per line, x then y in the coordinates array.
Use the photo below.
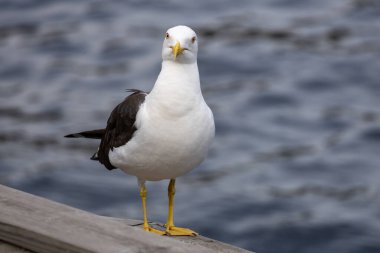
{"type": "Point", "coordinates": [177, 136]}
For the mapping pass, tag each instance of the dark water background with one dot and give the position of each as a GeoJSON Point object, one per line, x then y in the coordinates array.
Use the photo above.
{"type": "Point", "coordinates": [295, 90]}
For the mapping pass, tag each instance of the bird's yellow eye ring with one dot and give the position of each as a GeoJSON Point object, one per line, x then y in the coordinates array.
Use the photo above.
{"type": "Point", "coordinates": [193, 39]}
{"type": "Point", "coordinates": [167, 36]}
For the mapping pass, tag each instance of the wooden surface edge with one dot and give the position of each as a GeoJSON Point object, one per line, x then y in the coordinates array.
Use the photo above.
{"type": "Point", "coordinates": [10, 248]}
{"type": "Point", "coordinates": [45, 226]}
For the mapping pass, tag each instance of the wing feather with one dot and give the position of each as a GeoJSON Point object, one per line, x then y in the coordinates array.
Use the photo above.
{"type": "Point", "coordinates": [120, 126]}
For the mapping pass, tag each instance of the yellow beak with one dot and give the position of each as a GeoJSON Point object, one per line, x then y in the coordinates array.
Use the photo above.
{"type": "Point", "coordinates": [177, 49]}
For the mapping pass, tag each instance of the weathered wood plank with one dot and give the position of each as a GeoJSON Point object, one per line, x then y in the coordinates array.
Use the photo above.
{"type": "Point", "coordinates": [44, 226]}
{"type": "Point", "coordinates": [8, 248]}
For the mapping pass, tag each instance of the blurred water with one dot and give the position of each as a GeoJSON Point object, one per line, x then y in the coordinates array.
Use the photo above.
{"type": "Point", "coordinates": [295, 90]}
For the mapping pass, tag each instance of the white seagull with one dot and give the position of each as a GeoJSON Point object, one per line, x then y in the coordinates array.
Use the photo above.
{"type": "Point", "coordinates": [162, 134]}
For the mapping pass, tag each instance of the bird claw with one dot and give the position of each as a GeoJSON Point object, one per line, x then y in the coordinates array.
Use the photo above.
{"type": "Point", "coordinates": [172, 231]}
{"type": "Point", "coordinates": [177, 231]}
{"type": "Point", "coordinates": [154, 231]}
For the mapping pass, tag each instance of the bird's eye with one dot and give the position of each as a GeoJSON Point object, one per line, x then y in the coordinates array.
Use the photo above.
{"type": "Point", "coordinates": [193, 39]}
{"type": "Point", "coordinates": [167, 36]}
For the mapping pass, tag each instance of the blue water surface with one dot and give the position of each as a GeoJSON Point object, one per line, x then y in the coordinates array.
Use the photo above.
{"type": "Point", "coordinates": [295, 90]}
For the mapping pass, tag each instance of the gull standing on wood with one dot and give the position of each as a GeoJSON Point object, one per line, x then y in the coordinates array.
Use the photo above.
{"type": "Point", "coordinates": [162, 134]}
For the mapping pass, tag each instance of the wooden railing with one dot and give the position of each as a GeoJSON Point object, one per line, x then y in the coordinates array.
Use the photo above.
{"type": "Point", "coordinates": [33, 224]}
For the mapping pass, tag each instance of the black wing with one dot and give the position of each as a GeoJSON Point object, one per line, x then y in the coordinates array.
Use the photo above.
{"type": "Point", "coordinates": [119, 130]}
{"type": "Point", "coordinates": [120, 126]}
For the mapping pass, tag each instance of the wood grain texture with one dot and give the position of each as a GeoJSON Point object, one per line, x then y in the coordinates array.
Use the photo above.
{"type": "Point", "coordinates": [44, 226]}
{"type": "Point", "coordinates": [8, 248]}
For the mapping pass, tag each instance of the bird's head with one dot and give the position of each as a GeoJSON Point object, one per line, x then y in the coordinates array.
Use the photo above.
{"type": "Point", "coordinates": [180, 45]}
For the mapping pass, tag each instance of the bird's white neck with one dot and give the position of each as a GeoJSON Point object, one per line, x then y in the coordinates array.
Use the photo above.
{"type": "Point", "coordinates": [177, 89]}
{"type": "Point", "coordinates": [178, 76]}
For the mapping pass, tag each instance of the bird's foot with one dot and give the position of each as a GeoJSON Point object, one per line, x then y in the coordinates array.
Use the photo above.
{"type": "Point", "coordinates": [177, 231]}
{"type": "Point", "coordinates": [154, 231]}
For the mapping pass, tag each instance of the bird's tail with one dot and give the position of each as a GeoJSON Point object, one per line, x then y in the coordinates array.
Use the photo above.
{"type": "Point", "coordinates": [95, 156]}
{"type": "Point", "coordinates": [93, 134]}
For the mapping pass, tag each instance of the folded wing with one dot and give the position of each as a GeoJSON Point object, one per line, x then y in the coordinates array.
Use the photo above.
{"type": "Point", "coordinates": [120, 128]}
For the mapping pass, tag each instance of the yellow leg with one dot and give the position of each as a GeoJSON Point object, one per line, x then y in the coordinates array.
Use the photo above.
{"type": "Point", "coordinates": [148, 228]}
{"type": "Point", "coordinates": [170, 228]}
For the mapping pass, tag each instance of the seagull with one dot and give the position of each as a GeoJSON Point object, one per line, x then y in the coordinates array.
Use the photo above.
{"type": "Point", "coordinates": [162, 134]}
